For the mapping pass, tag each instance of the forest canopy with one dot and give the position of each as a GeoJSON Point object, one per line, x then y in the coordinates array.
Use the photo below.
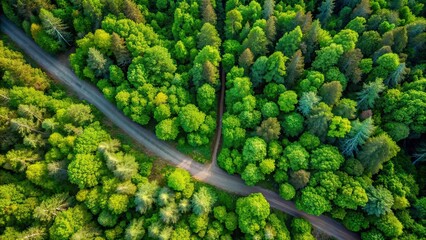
{"type": "Point", "coordinates": [324, 104]}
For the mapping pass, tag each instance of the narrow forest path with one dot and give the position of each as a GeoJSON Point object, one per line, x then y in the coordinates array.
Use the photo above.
{"type": "Point", "coordinates": [221, 106]}
{"type": "Point", "coordinates": [212, 175]}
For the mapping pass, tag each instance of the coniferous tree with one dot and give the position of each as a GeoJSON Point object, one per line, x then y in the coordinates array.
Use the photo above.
{"type": "Point", "coordinates": [49, 208]}
{"type": "Point", "coordinates": [362, 9]}
{"type": "Point", "coordinates": [121, 53]}
{"type": "Point", "coordinates": [145, 196]}
{"type": "Point", "coordinates": [358, 135]}
{"type": "Point", "coordinates": [397, 76]}
{"type": "Point", "coordinates": [271, 29]}
{"type": "Point", "coordinates": [376, 151]}
{"type": "Point", "coordinates": [349, 64]}
{"type": "Point", "coordinates": [132, 11]}
{"type": "Point", "coordinates": [325, 11]}
{"type": "Point", "coordinates": [256, 41]}
{"type": "Point", "coordinates": [370, 92]}
{"type": "Point", "coordinates": [97, 62]}
{"type": "Point", "coordinates": [307, 102]}
{"type": "Point", "coordinates": [380, 201]}
{"type": "Point", "coordinates": [295, 69]}
{"type": "Point", "coordinates": [269, 129]}
{"type": "Point", "coordinates": [310, 41]}
{"type": "Point", "coordinates": [55, 27]}
{"type": "Point", "coordinates": [207, 12]}
{"type": "Point", "coordinates": [268, 8]}
{"type": "Point", "coordinates": [208, 36]}
{"type": "Point", "coordinates": [246, 59]}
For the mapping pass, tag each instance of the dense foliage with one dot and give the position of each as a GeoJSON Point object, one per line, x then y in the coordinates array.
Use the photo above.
{"type": "Point", "coordinates": [63, 176]}
{"type": "Point", "coordinates": [325, 100]}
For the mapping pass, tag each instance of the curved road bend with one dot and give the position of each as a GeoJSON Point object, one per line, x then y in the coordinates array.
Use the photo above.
{"type": "Point", "coordinates": [211, 175]}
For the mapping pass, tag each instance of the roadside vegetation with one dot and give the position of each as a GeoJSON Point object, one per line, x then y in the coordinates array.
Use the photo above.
{"type": "Point", "coordinates": [325, 100]}
{"type": "Point", "coordinates": [63, 176]}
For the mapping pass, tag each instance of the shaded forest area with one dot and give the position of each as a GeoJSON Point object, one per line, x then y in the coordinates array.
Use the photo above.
{"type": "Point", "coordinates": [325, 100]}
{"type": "Point", "coordinates": [63, 176]}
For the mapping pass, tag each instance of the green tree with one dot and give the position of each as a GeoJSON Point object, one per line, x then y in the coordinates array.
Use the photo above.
{"type": "Point", "coordinates": [326, 158]}
{"type": "Point", "coordinates": [351, 195]}
{"type": "Point", "coordinates": [55, 27]}
{"type": "Point", "coordinates": [178, 179]}
{"type": "Point", "coordinates": [355, 221]}
{"type": "Point", "coordinates": [207, 12]}
{"type": "Point", "coordinates": [313, 203]}
{"type": "Point", "coordinates": [300, 225]}
{"type": "Point", "coordinates": [358, 135]}
{"type": "Point", "coordinates": [203, 201]}
{"type": "Point", "coordinates": [252, 174]}
{"type": "Point", "coordinates": [190, 118]}
{"type": "Point", "coordinates": [267, 166]}
{"type": "Point", "coordinates": [162, 112]}
{"type": "Point", "coordinates": [370, 92]}
{"type": "Point", "coordinates": [389, 225]}
{"type": "Point", "coordinates": [118, 203]}
{"type": "Point", "coordinates": [256, 41]}
{"type": "Point", "coordinates": [347, 38]}
{"type": "Point", "coordinates": [134, 230]}
{"type": "Point", "coordinates": [287, 101]}
{"type": "Point", "coordinates": [246, 59]}
{"type": "Point", "coordinates": [309, 141]}
{"type": "Point", "coordinates": [252, 212]}
{"type": "Point", "coordinates": [327, 57]}
{"type": "Point", "coordinates": [68, 222]}
{"type": "Point", "coordinates": [380, 201]}
{"type": "Point", "coordinates": [369, 42]}
{"type": "Point", "coordinates": [167, 129]}
{"type": "Point", "coordinates": [269, 129]}
{"type": "Point", "coordinates": [268, 8]}
{"type": "Point", "coordinates": [254, 150]}
{"type": "Point", "coordinates": [376, 151]}
{"type": "Point", "coordinates": [339, 127]}
{"type": "Point", "coordinates": [357, 24]}
{"type": "Point", "coordinates": [312, 82]}
{"type": "Point", "coordinates": [208, 36]}
{"type": "Point", "coordinates": [270, 109]}
{"type": "Point", "coordinates": [258, 71]}
{"type": "Point", "coordinates": [297, 156]}
{"type": "Point", "coordinates": [290, 42]}
{"type": "Point", "coordinates": [158, 64]}
{"type": "Point", "coordinates": [233, 133]}
{"type": "Point", "coordinates": [132, 11]}
{"type": "Point", "coordinates": [97, 62]}
{"type": "Point", "coordinates": [233, 23]}
{"type": "Point", "coordinates": [85, 170]}
{"type": "Point", "coordinates": [293, 124]}
{"type": "Point", "coordinates": [287, 191]}
{"type": "Point", "coordinates": [206, 96]}
{"type": "Point", "coordinates": [331, 92]}
{"type": "Point", "coordinates": [275, 68]}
